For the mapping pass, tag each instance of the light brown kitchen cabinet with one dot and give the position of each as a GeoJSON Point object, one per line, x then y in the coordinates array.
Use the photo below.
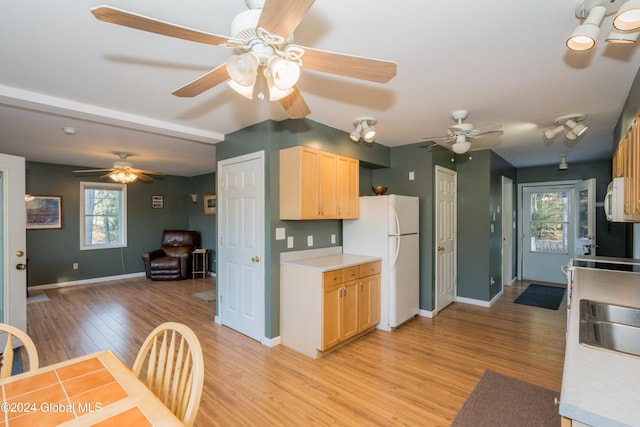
{"type": "Point", "coordinates": [315, 184]}
{"type": "Point", "coordinates": [626, 164]}
{"type": "Point", "coordinates": [323, 310]}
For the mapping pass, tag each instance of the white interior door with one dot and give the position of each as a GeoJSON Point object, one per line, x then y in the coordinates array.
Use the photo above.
{"type": "Point", "coordinates": [240, 278]}
{"type": "Point", "coordinates": [13, 237]}
{"type": "Point", "coordinates": [547, 231]}
{"type": "Point", "coordinates": [586, 218]}
{"type": "Point", "coordinates": [446, 217]}
{"type": "Point", "coordinates": [507, 231]}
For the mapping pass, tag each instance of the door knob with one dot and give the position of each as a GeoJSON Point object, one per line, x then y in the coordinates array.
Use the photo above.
{"type": "Point", "coordinates": [21, 266]}
{"type": "Point", "coordinates": [255, 259]}
{"type": "Point", "coordinates": [440, 248]}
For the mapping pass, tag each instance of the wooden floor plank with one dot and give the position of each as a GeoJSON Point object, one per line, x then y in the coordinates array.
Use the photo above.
{"type": "Point", "coordinates": [419, 374]}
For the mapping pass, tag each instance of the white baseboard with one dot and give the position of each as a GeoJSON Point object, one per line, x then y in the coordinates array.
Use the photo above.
{"type": "Point", "coordinates": [84, 281]}
{"type": "Point", "coordinates": [271, 342]}
{"type": "Point", "coordinates": [481, 303]}
{"type": "Point", "coordinates": [426, 313]}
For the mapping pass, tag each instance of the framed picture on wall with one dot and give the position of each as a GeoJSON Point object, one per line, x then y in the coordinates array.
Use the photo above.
{"type": "Point", "coordinates": [44, 212]}
{"type": "Point", "coordinates": [157, 202]}
{"type": "Point", "coordinates": [210, 204]}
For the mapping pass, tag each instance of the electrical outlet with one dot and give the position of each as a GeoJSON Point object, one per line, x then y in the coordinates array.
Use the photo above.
{"type": "Point", "coordinates": [75, 265]}
{"type": "Point", "coordinates": [333, 238]}
{"type": "Point", "coordinates": [412, 176]}
{"type": "Point", "coordinates": [289, 242]}
{"type": "Point", "coordinates": [309, 241]}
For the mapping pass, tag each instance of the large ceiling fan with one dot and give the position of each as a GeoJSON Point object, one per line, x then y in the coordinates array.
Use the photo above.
{"type": "Point", "coordinates": [123, 171]}
{"type": "Point", "coordinates": [266, 65]}
{"type": "Point", "coordinates": [459, 135]}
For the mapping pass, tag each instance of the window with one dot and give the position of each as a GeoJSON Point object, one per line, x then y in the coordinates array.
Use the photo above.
{"type": "Point", "coordinates": [103, 215]}
{"type": "Point", "coordinates": [549, 222]}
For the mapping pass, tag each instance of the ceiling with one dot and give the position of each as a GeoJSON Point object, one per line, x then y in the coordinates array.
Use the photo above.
{"type": "Point", "coordinates": [504, 61]}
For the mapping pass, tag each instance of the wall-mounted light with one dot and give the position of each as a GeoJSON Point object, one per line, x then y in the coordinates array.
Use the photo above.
{"type": "Point", "coordinates": [364, 128]}
{"type": "Point", "coordinates": [194, 198]}
{"type": "Point", "coordinates": [563, 163]}
{"type": "Point", "coordinates": [571, 124]}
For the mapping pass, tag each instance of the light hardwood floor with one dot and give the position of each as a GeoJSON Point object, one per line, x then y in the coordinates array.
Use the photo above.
{"type": "Point", "coordinates": [418, 375]}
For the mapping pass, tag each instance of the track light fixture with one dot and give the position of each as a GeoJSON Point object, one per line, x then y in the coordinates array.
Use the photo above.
{"type": "Point", "coordinates": [626, 23]}
{"type": "Point", "coordinates": [563, 162]}
{"type": "Point", "coordinates": [570, 124]}
{"type": "Point", "coordinates": [364, 128]}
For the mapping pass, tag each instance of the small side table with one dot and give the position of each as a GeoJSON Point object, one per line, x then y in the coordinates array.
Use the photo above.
{"type": "Point", "coordinates": [200, 263]}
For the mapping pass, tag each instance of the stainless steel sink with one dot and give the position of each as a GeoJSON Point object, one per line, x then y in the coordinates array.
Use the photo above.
{"type": "Point", "coordinates": [609, 326]}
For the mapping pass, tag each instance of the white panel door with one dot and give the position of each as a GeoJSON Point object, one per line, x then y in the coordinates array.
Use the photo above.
{"type": "Point", "coordinates": [445, 235]}
{"type": "Point", "coordinates": [507, 231]}
{"type": "Point", "coordinates": [13, 237]}
{"type": "Point", "coordinates": [240, 276]}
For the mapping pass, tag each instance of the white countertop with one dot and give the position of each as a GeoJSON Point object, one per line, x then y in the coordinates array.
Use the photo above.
{"type": "Point", "coordinates": [330, 262]}
{"type": "Point", "coordinates": [600, 387]}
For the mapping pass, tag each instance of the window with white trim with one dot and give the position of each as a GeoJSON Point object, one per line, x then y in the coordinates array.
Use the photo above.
{"type": "Point", "coordinates": [103, 215]}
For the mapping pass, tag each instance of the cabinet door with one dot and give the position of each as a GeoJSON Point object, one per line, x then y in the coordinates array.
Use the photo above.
{"type": "Point", "coordinates": [327, 204]}
{"type": "Point", "coordinates": [331, 313]}
{"type": "Point", "coordinates": [635, 142]}
{"type": "Point", "coordinates": [369, 302]}
{"type": "Point", "coordinates": [349, 309]}
{"type": "Point", "coordinates": [309, 172]}
{"type": "Point", "coordinates": [348, 187]}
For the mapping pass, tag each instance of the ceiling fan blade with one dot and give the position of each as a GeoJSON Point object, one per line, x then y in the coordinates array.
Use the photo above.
{"type": "Point", "coordinates": [281, 17]}
{"type": "Point", "coordinates": [142, 176]}
{"type": "Point", "coordinates": [94, 170]}
{"type": "Point", "coordinates": [117, 16]}
{"type": "Point", "coordinates": [443, 137]}
{"type": "Point", "coordinates": [475, 134]}
{"type": "Point", "coordinates": [490, 127]}
{"type": "Point", "coordinates": [148, 172]}
{"type": "Point", "coordinates": [204, 82]}
{"type": "Point", "coordinates": [375, 70]}
{"type": "Point", "coordinates": [295, 105]}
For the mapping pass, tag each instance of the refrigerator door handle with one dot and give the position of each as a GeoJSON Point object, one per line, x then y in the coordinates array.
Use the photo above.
{"type": "Point", "coordinates": [397, 254]}
{"type": "Point", "coordinates": [394, 208]}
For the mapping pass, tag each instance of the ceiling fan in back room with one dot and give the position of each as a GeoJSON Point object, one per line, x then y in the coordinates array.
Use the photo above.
{"type": "Point", "coordinates": [266, 64]}
{"type": "Point", "coordinates": [459, 136]}
{"type": "Point", "coordinates": [123, 171]}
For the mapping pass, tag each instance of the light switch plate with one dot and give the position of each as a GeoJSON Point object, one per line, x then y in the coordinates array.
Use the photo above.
{"type": "Point", "coordinates": [412, 175]}
{"type": "Point", "coordinates": [333, 238]}
{"type": "Point", "coordinates": [309, 240]}
{"type": "Point", "coordinates": [289, 242]}
{"type": "Point", "coordinates": [280, 233]}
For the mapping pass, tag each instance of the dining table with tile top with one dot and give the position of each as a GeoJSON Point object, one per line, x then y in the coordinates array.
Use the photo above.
{"type": "Point", "coordinates": [97, 389]}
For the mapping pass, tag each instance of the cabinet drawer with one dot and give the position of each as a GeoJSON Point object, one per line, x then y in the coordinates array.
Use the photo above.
{"type": "Point", "coordinates": [350, 273]}
{"type": "Point", "coordinates": [370, 269]}
{"type": "Point", "coordinates": [331, 277]}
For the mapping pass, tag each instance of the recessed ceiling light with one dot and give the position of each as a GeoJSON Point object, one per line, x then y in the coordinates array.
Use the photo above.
{"type": "Point", "coordinates": [68, 130]}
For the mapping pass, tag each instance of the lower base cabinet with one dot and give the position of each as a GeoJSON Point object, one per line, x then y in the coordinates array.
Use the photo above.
{"type": "Point", "coordinates": [323, 310]}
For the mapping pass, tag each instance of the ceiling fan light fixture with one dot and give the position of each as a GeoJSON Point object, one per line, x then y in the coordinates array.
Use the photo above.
{"type": "Point", "coordinates": [285, 73]}
{"type": "Point", "coordinates": [243, 68]}
{"type": "Point", "coordinates": [584, 36]}
{"type": "Point", "coordinates": [461, 145]}
{"type": "Point", "coordinates": [123, 176]}
{"type": "Point", "coordinates": [628, 17]}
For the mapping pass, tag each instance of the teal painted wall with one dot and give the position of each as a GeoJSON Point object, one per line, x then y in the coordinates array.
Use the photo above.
{"type": "Point", "coordinates": [51, 253]}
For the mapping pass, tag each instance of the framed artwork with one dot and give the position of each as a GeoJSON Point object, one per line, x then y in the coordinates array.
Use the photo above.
{"type": "Point", "coordinates": [157, 202]}
{"type": "Point", "coordinates": [44, 212]}
{"type": "Point", "coordinates": [210, 204]}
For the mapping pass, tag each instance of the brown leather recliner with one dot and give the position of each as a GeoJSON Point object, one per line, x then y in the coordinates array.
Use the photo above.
{"type": "Point", "coordinates": [173, 260]}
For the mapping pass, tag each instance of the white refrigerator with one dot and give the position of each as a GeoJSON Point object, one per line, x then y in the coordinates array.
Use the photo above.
{"type": "Point", "coordinates": [388, 228]}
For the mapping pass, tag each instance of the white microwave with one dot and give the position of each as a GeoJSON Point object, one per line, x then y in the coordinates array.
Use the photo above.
{"type": "Point", "coordinates": [614, 201]}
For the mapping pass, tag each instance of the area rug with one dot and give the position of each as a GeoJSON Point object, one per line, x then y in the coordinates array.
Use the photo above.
{"type": "Point", "coordinates": [501, 401]}
{"type": "Point", "coordinates": [206, 296]}
{"type": "Point", "coordinates": [541, 296]}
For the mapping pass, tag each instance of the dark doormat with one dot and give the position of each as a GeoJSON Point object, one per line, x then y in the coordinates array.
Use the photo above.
{"type": "Point", "coordinates": [541, 296]}
{"type": "Point", "coordinates": [501, 401]}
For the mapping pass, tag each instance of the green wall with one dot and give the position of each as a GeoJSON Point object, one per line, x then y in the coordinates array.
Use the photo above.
{"type": "Point", "coordinates": [51, 253]}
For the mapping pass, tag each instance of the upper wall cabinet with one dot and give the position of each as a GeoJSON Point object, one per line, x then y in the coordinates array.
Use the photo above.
{"type": "Point", "coordinates": [315, 184]}
{"type": "Point", "coordinates": [626, 164]}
